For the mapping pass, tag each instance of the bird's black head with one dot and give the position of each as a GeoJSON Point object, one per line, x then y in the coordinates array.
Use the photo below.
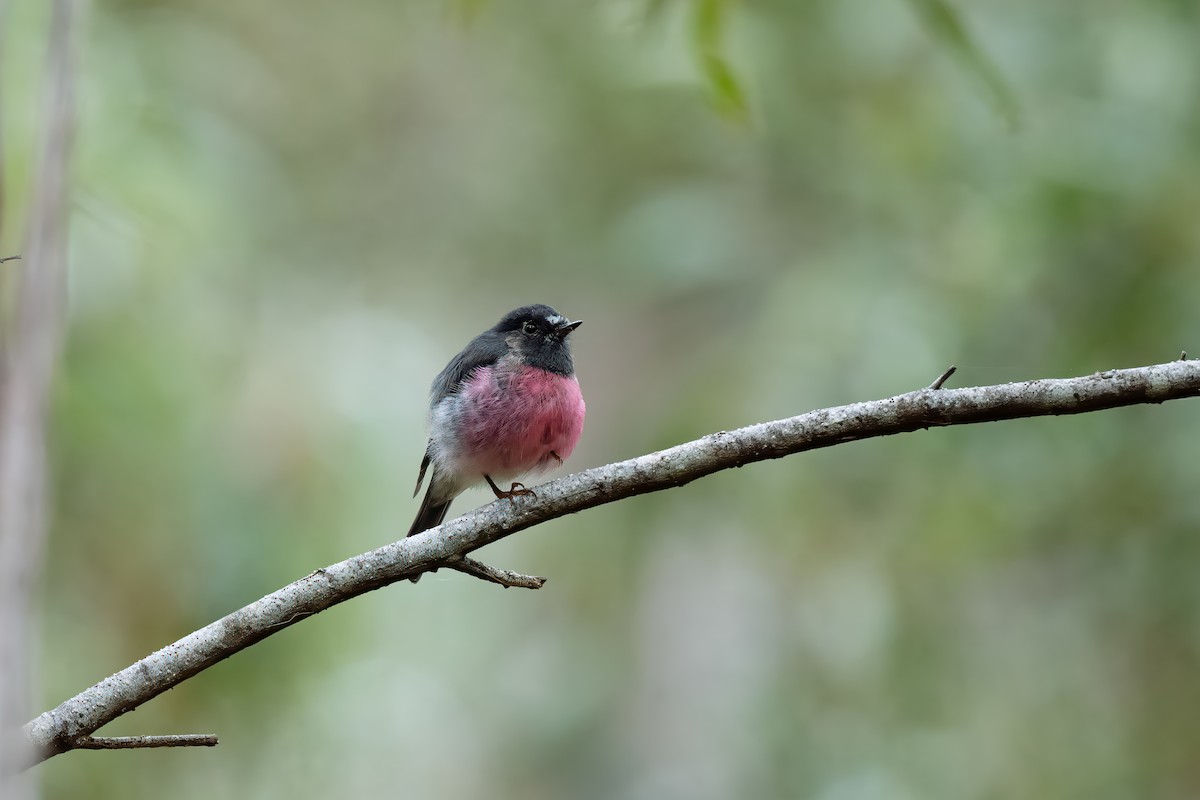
{"type": "Point", "coordinates": [537, 335]}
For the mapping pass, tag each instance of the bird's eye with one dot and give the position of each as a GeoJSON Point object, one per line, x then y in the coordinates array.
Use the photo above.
{"type": "Point", "coordinates": [529, 327]}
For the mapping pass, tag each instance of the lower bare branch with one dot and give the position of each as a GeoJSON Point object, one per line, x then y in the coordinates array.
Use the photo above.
{"type": "Point", "coordinates": [503, 577]}
{"type": "Point", "coordinates": [58, 730]}
{"type": "Point", "coordinates": [140, 742]}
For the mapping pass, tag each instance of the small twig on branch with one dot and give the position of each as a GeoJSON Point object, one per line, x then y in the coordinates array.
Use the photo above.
{"type": "Point", "coordinates": [501, 576]}
{"type": "Point", "coordinates": [10, 258]}
{"type": "Point", "coordinates": [140, 742]}
{"type": "Point", "coordinates": [58, 730]}
{"type": "Point", "coordinates": [1183, 355]}
{"type": "Point", "coordinates": [945, 376]}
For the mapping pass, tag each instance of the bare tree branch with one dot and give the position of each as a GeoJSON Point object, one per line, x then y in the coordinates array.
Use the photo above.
{"type": "Point", "coordinates": [503, 577]}
{"type": "Point", "coordinates": [28, 355]}
{"type": "Point", "coordinates": [143, 742]}
{"type": "Point", "coordinates": [447, 545]}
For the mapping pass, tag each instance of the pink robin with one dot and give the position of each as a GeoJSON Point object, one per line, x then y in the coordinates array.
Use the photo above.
{"type": "Point", "coordinates": [507, 405]}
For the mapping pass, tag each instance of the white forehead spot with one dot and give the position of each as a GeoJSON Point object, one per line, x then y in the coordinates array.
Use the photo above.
{"type": "Point", "coordinates": [556, 319]}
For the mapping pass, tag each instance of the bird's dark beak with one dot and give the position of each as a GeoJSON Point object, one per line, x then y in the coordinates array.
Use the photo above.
{"type": "Point", "coordinates": [567, 327]}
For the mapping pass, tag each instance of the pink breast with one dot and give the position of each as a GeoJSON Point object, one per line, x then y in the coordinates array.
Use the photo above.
{"type": "Point", "coordinates": [515, 419]}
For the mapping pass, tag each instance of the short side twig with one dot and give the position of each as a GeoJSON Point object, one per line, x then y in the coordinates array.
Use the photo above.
{"type": "Point", "coordinates": [10, 258]}
{"type": "Point", "coordinates": [945, 376]}
{"type": "Point", "coordinates": [139, 742]}
{"type": "Point", "coordinates": [503, 577]}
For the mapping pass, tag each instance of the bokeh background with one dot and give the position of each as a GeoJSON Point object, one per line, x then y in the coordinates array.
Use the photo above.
{"type": "Point", "coordinates": [287, 217]}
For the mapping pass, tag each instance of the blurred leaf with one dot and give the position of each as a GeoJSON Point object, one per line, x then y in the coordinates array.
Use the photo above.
{"type": "Point", "coordinates": [468, 11]}
{"type": "Point", "coordinates": [728, 97]}
{"type": "Point", "coordinates": [707, 29]}
{"type": "Point", "coordinates": [654, 10]}
{"type": "Point", "coordinates": [710, 18]}
{"type": "Point", "coordinates": [945, 25]}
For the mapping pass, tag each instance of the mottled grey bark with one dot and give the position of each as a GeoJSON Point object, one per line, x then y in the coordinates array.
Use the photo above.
{"type": "Point", "coordinates": [72, 723]}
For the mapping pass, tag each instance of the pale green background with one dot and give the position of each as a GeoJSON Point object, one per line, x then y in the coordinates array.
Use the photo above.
{"type": "Point", "coordinates": [288, 216]}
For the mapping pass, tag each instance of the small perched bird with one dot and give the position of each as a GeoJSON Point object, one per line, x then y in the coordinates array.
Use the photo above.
{"type": "Point", "coordinates": [507, 405]}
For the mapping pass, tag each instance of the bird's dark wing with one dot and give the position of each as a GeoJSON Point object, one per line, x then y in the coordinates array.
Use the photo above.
{"type": "Point", "coordinates": [484, 350]}
{"type": "Point", "coordinates": [421, 475]}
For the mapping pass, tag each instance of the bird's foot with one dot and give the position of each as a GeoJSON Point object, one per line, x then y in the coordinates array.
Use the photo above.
{"type": "Point", "coordinates": [556, 457]}
{"type": "Point", "coordinates": [516, 490]}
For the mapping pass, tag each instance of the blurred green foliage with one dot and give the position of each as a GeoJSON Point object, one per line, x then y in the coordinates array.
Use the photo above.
{"type": "Point", "coordinates": [287, 218]}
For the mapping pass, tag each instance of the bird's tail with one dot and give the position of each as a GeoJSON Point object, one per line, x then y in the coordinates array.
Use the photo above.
{"type": "Point", "coordinates": [431, 514]}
